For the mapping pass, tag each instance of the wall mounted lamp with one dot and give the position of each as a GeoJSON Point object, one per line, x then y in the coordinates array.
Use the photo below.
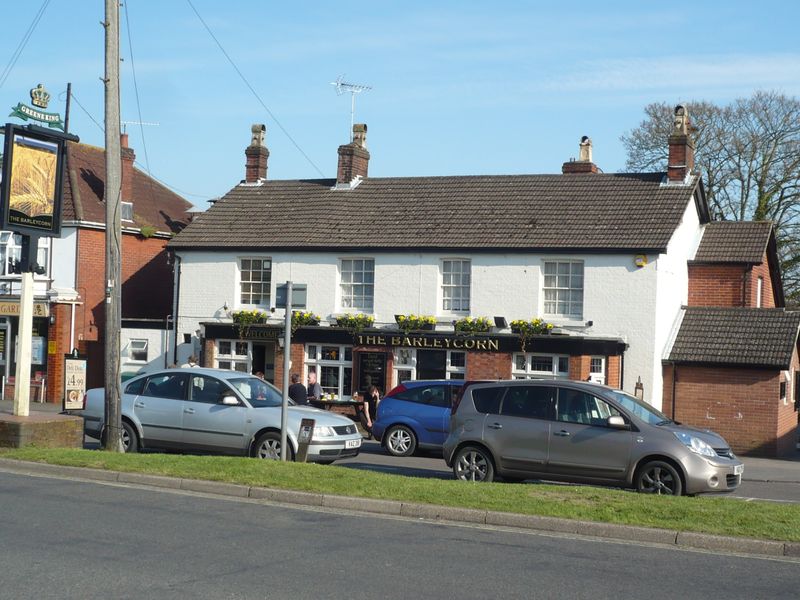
{"type": "Point", "coordinates": [500, 322]}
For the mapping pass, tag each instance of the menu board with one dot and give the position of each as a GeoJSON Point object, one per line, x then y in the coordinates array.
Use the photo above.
{"type": "Point", "coordinates": [371, 371]}
{"type": "Point", "coordinates": [74, 382]}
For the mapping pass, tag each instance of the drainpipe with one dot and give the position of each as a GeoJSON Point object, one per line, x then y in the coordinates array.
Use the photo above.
{"type": "Point", "coordinates": [176, 270]}
{"type": "Point", "coordinates": [674, 379]}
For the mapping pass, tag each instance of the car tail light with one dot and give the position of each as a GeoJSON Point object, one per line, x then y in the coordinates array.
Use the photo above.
{"type": "Point", "coordinates": [396, 390]}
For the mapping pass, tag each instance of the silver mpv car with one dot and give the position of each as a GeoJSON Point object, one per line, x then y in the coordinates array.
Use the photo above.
{"type": "Point", "coordinates": [582, 432]}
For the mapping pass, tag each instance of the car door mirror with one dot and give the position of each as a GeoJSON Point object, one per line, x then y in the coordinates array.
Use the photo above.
{"type": "Point", "coordinates": [617, 422]}
{"type": "Point", "coordinates": [228, 400]}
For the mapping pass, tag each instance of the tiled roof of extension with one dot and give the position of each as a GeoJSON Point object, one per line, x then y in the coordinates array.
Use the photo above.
{"type": "Point", "coordinates": [153, 204]}
{"type": "Point", "coordinates": [602, 212]}
{"type": "Point", "coordinates": [734, 242]}
{"type": "Point", "coordinates": [756, 337]}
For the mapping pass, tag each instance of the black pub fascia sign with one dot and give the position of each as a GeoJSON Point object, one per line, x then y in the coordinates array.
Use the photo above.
{"type": "Point", "coordinates": [444, 342]}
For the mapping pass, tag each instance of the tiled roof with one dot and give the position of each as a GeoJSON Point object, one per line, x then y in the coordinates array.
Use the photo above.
{"type": "Point", "coordinates": [602, 211]}
{"type": "Point", "coordinates": [734, 242]}
{"type": "Point", "coordinates": [153, 204]}
{"type": "Point", "coordinates": [764, 337]}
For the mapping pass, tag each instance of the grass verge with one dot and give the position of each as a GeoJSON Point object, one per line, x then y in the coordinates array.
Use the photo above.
{"type": "Point", "coordinates": [707, 514]}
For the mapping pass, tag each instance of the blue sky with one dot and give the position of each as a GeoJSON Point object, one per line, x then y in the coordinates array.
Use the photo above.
{"type": "Point", "coordinates": [459, 88]}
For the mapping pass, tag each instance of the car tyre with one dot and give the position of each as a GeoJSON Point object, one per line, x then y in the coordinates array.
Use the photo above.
{"type": "Point", "coordinates": [130, 440]}
{"type": "Point", "coordinates": [658, 477]}
{"type": "Point", "coordinates": [268, 447]}
{"type": "Point", "coordinates": [399, 440]}
{"type": "Point", "coordinates": [473, 463]}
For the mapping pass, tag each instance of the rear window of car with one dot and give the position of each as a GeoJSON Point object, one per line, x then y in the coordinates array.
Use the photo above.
{"type": "Point", "coordinates": [487, 400]}
{"type": "Point", "coordinates": [433, 395]}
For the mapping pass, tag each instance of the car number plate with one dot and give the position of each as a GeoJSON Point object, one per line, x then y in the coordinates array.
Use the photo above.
{"type": "Point", "coordinates": [352, 443]}
{"type": "Point", "coordinates": [738, 469]}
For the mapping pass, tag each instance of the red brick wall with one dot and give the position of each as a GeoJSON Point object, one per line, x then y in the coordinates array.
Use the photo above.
{"type": "Point", "coordinates": [751, 286]}
{"type": "Point", "coordinates": [742, 405]}
{"type": "Point", "coordinates": [579, 367]}
{"type": "Point", "coordinates": [716, 285]}
{"type": "Point", "coordinates": [58, 333]}
{"type": "Point", "coordinates": [613, 372]}
{"type": "Point", "coordinates": [146, 289]}
{"type": "Point", "coordinates": [297, 357]}
{"type": "Point", "coordinates": [488, 365]}
{"type": "Point", "coordinates": [787, 415]}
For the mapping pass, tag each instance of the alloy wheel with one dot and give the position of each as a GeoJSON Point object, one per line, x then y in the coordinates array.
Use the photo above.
{"type": "Point", "coordinates": [270, 449]}
{"type": "Point", "coordinates": [399, 441]}
{"type": "Point", "coordinates": [472, 465]}
{"type": "Point", "coordinates": [657, 480]}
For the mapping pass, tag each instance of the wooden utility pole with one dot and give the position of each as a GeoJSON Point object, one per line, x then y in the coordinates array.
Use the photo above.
{"type": "Point", "coordinates": [113, 189]}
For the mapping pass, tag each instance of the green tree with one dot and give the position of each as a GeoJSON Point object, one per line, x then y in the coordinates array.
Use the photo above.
{"type": "Point", "coordinates": [748, 153]}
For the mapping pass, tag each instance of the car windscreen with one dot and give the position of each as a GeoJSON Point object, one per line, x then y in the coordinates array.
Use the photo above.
{"type": "Point", "coordinates": [258, 392]}
{"type": "Point", "coordinates": [641, 409]}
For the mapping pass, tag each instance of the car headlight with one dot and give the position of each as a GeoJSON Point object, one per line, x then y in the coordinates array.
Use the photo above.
{"type": "Point", "coordinates": [695, 444]}
{"type": "Point", "coordinates": [324, 431]}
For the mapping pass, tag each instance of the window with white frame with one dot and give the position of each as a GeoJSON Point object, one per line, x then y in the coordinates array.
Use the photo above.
{"type": "Point", "coordinates": [126, 211]}
{"type": "Point", "coordinates": [456, 276]}
{"type": "Point", "coordinates": [137, 350]}
{"type": "Point", "coordinates": [255, 280]}
{"type": "Point", "coordinates": [563, 288]}
{"type": "Point", "coordinates": [597, 369]}
{"type": "Point", "coordinates": [11, 251]}
{"type": "Point", "coordinates": [357, 276]}
{"type": "Point", "coordinates": [233, 355]}
{"type": "Point", "coordinates": [533, 366]}
{"type": "Point", "coordinates": [333, 365]}
{"type": "Point", "coordinates": [405, 364]}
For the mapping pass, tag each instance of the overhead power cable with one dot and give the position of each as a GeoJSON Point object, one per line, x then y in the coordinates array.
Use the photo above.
{"type": "Point", "coordinates": [253, 91]}
{"type": "Point", "coordinates": [21, 46]}
{"type": "Point", "coordinates": [138, 103]}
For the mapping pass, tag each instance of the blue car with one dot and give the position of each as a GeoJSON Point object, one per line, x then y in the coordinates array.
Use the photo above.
{"type": "Point", "coordinates": [415, 414]}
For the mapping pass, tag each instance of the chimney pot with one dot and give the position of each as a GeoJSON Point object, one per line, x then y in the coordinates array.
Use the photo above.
{"type": "Point", "coordinates": [128, 157]}
{"type": "Point", "coordinates": [584, 163]}
{"type": "Point", "coordinates": [256, 154]}
{"type": "Point", "coordinates": [353, 157]}
{"type": "Point", "coordinates": [680, 163]}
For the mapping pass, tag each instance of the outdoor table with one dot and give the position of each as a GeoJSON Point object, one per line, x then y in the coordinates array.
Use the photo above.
{"type": "Point", "coordinates": [356, 405]}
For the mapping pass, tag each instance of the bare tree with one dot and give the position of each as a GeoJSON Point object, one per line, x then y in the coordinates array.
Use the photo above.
{"type": "Point", "coordinates": [749, 155]}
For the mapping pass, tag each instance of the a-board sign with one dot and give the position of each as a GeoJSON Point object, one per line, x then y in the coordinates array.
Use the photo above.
{"type": "Point", "coordinates": [74, 382]}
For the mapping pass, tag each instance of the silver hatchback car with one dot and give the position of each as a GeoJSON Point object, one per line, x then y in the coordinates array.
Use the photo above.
{"type": "Point", "coordinates": [582, 432]}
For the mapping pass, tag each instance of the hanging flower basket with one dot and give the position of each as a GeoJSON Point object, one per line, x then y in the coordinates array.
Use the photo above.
{"type": "Point", "coordinates": [527, 329]}
{"type": "Point", "coordinates": [472, 325]}
{"type": "Point", "coordinates": [415, 322]}
{"type": "Point", "coordinates": [355, 323]}
{"type": "Point", "coordinates": [303, 319]}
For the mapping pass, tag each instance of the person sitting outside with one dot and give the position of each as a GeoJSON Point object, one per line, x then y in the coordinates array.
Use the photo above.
{"type": "Point", "coordinates": [297, 391]}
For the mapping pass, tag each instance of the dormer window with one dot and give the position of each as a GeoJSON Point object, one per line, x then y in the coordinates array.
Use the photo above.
{"type": "Point", "coordinates": [126, 211]}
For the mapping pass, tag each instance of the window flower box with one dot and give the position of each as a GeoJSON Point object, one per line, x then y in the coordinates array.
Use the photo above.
{"type": "Point", "coordinates": [472, 325]}
{"type": "Point", "coordinates": [527, 329]}
{"type": "Point", "coordinates": [355, 323]}
{"type": "Point", "coordinates": [415, 322]}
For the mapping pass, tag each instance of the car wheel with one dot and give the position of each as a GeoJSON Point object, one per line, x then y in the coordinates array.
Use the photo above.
{"type": "Point", "coordinates": [268, 446]}
{"type": "Point", "coordinates": [400, 441]}
{"type": "Point", "coordinates": [473, 464]}
{"type": "Point", "coordinates": [658, 477]}
{"type": "Point", "coordinates": [130, 441]}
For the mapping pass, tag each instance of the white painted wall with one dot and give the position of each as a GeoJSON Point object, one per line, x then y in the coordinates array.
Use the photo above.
{"type": "Point", "coordinates": [619, 297]}
{"type": "Point", "coordinates": [673, 288]}
{"type": "Point", "coordinates": [157, 345]}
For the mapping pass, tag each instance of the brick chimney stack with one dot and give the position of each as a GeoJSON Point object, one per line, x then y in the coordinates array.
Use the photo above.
{"type": "Point", "coordinates": [353, 157]}
{"type": "Point", "coordinates": [128, 157]}
{"type": "Point", "coordinates": [681, 147]}
{"type": "Point", "coordinates": [257, 155]}
{"type": "Point", "coordinates": [584, 163]}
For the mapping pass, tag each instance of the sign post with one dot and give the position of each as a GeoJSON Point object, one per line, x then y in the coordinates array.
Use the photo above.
{"type": "Point", "coordinates": [304, 438]}
{"type": "Point", "coordinates": [284, 300]}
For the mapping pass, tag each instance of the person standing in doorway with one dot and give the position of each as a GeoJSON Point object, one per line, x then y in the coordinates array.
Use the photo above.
{"type": "Point", "coordinates": [314, 389]}
{"type": "Point", "coordinates": [297, 391]}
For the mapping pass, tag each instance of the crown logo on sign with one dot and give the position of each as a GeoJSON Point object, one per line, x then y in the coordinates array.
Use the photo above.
{"type": "Point", "coordinates": [39, 96]}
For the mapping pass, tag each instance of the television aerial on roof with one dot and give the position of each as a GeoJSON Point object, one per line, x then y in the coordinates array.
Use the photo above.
{"type": "Point", "coordinates": [354, 88]}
